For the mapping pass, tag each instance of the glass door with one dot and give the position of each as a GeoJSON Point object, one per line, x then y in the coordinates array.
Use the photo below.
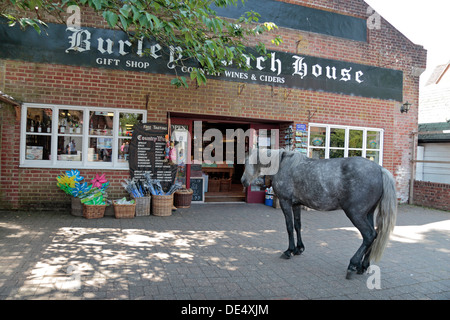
{"type": "Point", "coordinates": [180, 137]}
{"type": "Point", "coordinates": [263, 136]}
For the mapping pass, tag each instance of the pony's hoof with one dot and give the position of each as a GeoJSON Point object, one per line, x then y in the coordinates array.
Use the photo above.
{"type": "Point", "coordinates": [361, 270]}
{"type": "Point", "coordinates": [298, 251]}
{"type": "Point", "coordinates": [286, 255]}
{"type": "Point", "coordinates": [350, 274]}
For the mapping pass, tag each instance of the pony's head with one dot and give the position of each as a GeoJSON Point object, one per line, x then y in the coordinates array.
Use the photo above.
{"type": "Point", "coordinates": [252, 169]}
{"type": "Point", "coordinates": [259, 163]}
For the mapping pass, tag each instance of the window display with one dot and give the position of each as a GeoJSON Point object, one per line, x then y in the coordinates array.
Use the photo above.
{"type": "Point", "coordinates": [60, 130]}
{"type": "Point", "coordinates": [38, 134]}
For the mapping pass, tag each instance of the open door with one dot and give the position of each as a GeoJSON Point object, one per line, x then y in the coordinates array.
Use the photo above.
{"type": "Point", "coordinates": [181, 130]}
{"type": "Point", "coordinates": [264, 136]}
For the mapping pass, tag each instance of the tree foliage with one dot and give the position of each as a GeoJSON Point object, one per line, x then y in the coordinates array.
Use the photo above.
{"type": "Point", "coordinates": [192, 25]}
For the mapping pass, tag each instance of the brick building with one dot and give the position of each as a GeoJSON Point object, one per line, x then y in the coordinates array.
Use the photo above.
{"type": "Point", "coordinates": [338, 80]}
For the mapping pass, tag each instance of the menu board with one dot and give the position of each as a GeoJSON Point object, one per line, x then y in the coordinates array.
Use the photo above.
{"type": "Point", "coordinates": [147, 154]}
{"type": "Point", "coordinates": [197, 188]}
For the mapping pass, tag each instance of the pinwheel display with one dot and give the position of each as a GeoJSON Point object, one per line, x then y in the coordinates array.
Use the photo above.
{"type": "Point", "coordinates": [71, 183]}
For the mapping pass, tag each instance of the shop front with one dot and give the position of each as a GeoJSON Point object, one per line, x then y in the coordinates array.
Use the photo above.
{"type": "Point", "coordinates": [331, 91]}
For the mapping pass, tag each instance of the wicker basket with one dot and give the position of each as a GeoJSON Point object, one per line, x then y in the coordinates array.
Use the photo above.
{"type": "Point", "coordinates": [142, 206]}
{"type": "Point", "coordinates": [213, 185]}
{"type": "Point", "coordinates": [93, 211]}
{"type": "Point", "coordinates": [225, 185]}
{"type": "Point", "coordinates": [124, 210]}
{"type": "Point", "coordinates": [183, 198]}
{"type": "Point", "coordinates": [162, 205]}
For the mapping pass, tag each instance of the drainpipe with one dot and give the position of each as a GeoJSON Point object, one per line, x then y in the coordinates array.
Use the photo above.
{"type": "Point", "coordinates": [414, 135]}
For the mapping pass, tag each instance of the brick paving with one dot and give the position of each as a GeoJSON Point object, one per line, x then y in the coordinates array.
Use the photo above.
{"type": "Point", "coordinates": [216, 251]}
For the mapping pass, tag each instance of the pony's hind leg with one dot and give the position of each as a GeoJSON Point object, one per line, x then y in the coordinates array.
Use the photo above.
{"type": "Point", "coordinates": [366, 260]}
{"type": "Point", "coordinates": [298, 225]}
{"type": "Point", "coordinates": [368, 233]}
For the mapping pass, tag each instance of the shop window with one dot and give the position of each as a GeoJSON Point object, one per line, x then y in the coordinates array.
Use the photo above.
{"type": "Point", "coordinates": [70, 138]}
{"type": "Point", "coordinates": [329, 141]}
{"type": "Point", "coordinates": [317, 142]}
{"type": "Point", "coordinates": [101, 130]}
{"type": "Point", "coordinates": [61, 131]}
{"type": "Point", "coordinates": [127, 121]}
{"type": "Point", "coordinates": [38, 134]}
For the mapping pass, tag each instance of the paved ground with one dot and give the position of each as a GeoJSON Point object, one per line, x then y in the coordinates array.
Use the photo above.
{"type": "Point", "coordinates": [216, 252]}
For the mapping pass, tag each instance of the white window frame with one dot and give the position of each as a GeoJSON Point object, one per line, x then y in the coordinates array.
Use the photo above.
{"type": "Point", "coordinates": [84, 163]}
{"type": "Point", "coordinates": [346, 148]}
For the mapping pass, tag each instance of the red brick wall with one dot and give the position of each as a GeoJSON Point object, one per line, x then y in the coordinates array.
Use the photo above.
{"type": "Point", "coordinates": [432, 194]}
{"type": "Point", "coordinates": [9, 151]}
{"type": "Point", "coordinates": [79, 86]}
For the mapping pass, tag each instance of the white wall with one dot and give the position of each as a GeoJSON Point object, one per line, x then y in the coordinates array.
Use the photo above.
{"type": "Point", "coordinates": [434, 172]}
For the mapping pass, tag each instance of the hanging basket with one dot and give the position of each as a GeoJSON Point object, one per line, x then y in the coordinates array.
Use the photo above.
{"type": "Point", "coordinates": [183, 198]}
{"type": "Point", "coordinates": [124, 210]}
{"type": "Point", "coordinates": [162, 205]}
{"type": "Point", "coordinates": [93, 211]}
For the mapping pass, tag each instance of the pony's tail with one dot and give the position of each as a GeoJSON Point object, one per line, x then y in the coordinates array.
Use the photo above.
{"type": "Point", "coordinates": [386, 217]}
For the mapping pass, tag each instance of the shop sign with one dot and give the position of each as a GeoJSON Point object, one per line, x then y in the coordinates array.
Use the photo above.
{"type": "Point", "coordinates": [111, 49]}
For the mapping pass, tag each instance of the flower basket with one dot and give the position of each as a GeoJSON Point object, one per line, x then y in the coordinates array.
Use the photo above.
{"type": "Point", "coordinates": [126, 211]}
{"type": "Point", "coordinates": [162, 205]}
{"type": "Point", "coordinates": [183, 198]}
{"type": "Point", "coordinates": [142, 206]}
{"type": "Point", "coordinates": [93, 211]}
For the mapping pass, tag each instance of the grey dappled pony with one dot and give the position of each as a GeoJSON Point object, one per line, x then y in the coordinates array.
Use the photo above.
{"type": "Point", "coordinates": [356, 185]}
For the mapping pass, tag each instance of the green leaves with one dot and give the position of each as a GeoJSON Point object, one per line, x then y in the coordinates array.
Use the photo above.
{"type": "Point", "coordinates": [111, 18]}
{"type": "Point", "coordinates": [179, 82]}
{"type": "Point", "coordinates": [190, 25]}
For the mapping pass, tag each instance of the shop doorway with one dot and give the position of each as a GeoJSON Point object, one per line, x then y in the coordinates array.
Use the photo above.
{"type": "Point", "coordinates": [222, 180]}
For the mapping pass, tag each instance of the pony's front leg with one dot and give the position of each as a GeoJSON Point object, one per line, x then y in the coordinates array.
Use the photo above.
{"type": "Point", "coordinates": [298, 226]}
{"type": "Point", "coordinates": [286, 207]}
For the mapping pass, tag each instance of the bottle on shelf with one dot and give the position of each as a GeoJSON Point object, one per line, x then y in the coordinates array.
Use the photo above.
{"type": "Point", "coordinates": [39, 129]}
{"type": "Point", "coordinates": [32, 126]}
{"type": "Point", "coordinates": [62, 127]}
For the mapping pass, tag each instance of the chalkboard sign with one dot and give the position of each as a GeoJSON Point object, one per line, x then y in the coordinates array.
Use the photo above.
{"type": "Point", "coordinates": [147, 154]}
{"type": "Point", "coordinates": [197, 187]}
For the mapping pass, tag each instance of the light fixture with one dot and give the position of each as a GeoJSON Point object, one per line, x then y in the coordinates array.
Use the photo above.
{"type": "Point", "coordinates": [405, 107]}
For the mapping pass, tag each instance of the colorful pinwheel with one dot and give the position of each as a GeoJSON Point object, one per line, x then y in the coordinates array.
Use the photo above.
{"type": "Point", "coordinates": [74, 173]}
{"type": "Point", "coordinates": [66, 183]}
{"type": "Point", "coordinates": [80, 189]}
{"type": "Point", "coordinates": [98, 181]}
{"type": "Point", "coordinates": [65, 180]}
